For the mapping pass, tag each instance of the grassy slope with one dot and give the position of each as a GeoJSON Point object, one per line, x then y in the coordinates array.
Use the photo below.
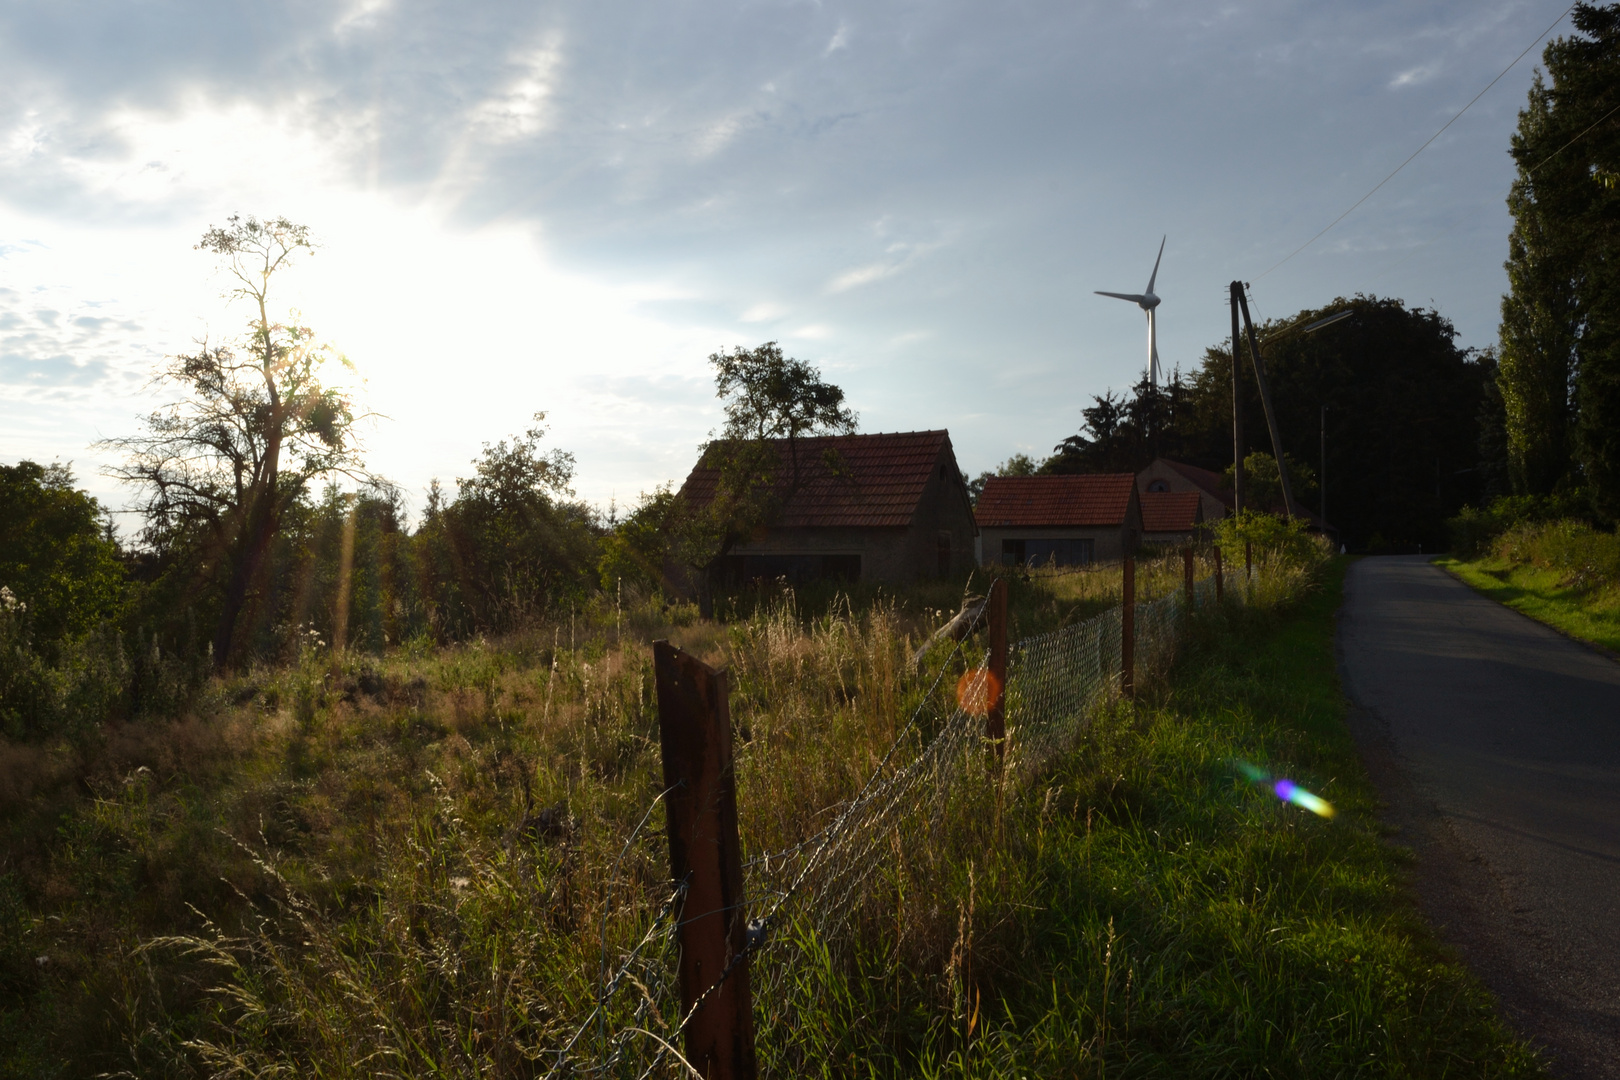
{"type": "Point", "coordinates": [1542, 595]}
{"type": "Point", "coordinates": [1178, 921]}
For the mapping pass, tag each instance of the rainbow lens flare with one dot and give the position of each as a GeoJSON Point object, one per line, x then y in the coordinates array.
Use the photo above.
{"type": "Point", "coordinates": [1287, 790]}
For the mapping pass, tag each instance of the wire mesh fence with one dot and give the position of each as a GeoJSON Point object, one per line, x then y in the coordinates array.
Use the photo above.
{"type": "Point", "coordinates": [802, 897]}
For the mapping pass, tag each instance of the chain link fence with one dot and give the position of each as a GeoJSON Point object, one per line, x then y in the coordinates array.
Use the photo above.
{"type": "Point", "coordinates": [801, 898]}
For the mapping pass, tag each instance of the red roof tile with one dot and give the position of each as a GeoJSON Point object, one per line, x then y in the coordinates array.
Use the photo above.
{"type": "Point", "coordinates": [1170, 511]}
{"type": "Point", "coordinates": [879, 479]}
{"type": "Point", "coordinates": [1093, 499]}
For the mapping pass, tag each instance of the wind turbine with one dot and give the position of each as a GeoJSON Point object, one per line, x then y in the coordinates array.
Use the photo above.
{"type": "Point", "coordinates": [1148, 301]}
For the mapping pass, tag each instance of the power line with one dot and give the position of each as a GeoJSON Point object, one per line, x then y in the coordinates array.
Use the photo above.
{"type": "Point", "coordinates": [1527, 175]}
{"type": "Point", "coordinates": [1425, 146]}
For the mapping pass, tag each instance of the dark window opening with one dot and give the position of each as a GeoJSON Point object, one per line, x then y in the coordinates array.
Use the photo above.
{"type": "Point", "coordinates": [1158, 485]}
{"type": "Point", "coordinates": [1048, 552]}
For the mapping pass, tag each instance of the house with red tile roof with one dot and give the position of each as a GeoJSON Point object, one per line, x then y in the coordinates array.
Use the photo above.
{"type": "Point", "coordinates": [883, 507]}
{"type": "Point", "coordinates": [1164, 475]}
{"type": "Point", "coordinates": [1171, 517]}
{"type": "Point", "coordinates": [1058, 520]}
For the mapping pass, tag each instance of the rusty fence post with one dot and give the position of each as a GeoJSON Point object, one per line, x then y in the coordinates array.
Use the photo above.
{"type": "Point", "coordinates": [700, 806]}
{"type": "Point", "coordinates": [1220, 582]}
{"type": "Point", "coordinates": [1187, 573]}
{"type": "Point", "coordinates": [1127, 631]}
{"type": "Point", "coordinates": [995, 715]}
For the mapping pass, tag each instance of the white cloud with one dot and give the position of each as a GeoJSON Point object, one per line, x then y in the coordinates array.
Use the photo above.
{"type": "Point", "coordinates": [765, 311]}
{"type": "Point", "coordinates": [1415, 76]}
{"type": "Point", "coordinates": [862, 275]}
{"type": "Point", "coordinates": [520, 109]}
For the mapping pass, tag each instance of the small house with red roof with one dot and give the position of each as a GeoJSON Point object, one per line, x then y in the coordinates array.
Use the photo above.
{"type": "Point", "coordinates": [1164, 475]}
{"type": "Point", "coordinates": [1058, 520]}
{"type": "Point", "coordinates": [883, 507]}
{"type": "Point", "coordinates": [1171, 517]}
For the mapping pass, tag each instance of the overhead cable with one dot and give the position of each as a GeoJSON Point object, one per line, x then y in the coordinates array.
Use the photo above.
{"type": "Point", "coordinates": [1425, 146]}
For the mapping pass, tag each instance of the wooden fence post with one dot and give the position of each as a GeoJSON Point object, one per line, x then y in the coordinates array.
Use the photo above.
{"type": "Point", "coordinates": [1187, 572]}
{"type": "Point", "coordinates": [995, 716]}
{"type": "Point", "coordinates": [1248, 563]}
{"type": "Point", "coordinates": [700, 806]}
{"type": "Point", "coordinates": [1220, 582]}
{"type": "Point", "coordinates": [1127, 631]}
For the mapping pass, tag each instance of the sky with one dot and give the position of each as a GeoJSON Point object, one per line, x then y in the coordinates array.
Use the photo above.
{"type": "Point", "coordinates": [567, 207]}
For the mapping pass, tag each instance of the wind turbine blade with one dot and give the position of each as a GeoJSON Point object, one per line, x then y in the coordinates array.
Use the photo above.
{"type": "Point", "coordinates": [1135, 298]}
{"type": "Point", "coordinates": [1155, 276]}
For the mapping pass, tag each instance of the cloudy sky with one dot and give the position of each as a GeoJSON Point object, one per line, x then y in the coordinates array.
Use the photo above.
{"type": "Point", "coordinates": [568, 206]}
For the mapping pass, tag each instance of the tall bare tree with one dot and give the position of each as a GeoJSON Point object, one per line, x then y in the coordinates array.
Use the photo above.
{"type": "Point", "coordinates": [254, 425]}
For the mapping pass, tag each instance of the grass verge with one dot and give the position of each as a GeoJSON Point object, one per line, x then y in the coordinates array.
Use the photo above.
{"type": "Point", "coordinates": [1176, 920]}
{"type": "Point", "coordinates": [1546, 595]}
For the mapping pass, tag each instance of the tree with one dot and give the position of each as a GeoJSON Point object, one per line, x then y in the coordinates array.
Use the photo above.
{"type": "Point", "coordinates": [1017, 465]}
{"type": "Point", "coordinates": [255, 425]}
{"type": "Point", "coordinates": [769, 396]}
{"type": "Point", "coordinates": [770, 400]}
{"type": "Point", "coordinates": [56, 552]}
{"type": "Point", "coordinates": [1560, 335]}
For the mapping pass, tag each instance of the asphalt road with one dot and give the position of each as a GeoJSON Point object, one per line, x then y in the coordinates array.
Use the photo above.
{"type": "Point", "coordinates": [1496, 744]}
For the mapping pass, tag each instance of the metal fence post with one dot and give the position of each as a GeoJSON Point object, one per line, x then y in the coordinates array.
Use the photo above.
{"type": "Point", "coordinates": [1127, 631]}
{"type": "Point", "coordinates": [1220, 583]}
{"type": "Point", "coordinates": [995, 716]}
{"type": "Point", "coordinates": [700, 806]}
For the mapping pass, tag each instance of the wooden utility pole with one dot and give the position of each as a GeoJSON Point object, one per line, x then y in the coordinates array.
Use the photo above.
{"type": "Point", "coordinates": [995, 715]}
{"type": "Point", "coordinates": [700, 807]}
{"type": "Point", "coordinates": [1237, 404]}
{"type": "Point", "coordinates": [1265, 400]}
{"type": "Point", "coordinates": [1127, 631]}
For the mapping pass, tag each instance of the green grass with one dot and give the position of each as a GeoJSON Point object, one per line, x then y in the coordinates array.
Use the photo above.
{"type": "Point", "coordinates": [1148, 912]}
{"type": "Point", "coordinates": [373, 861]}
{"type": "Point", "coordinates": [1546, 595]}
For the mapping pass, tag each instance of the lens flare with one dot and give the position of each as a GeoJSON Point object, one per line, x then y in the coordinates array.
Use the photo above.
{"type": "Point", "coordinates": [977, 690]}
{"type": "Point", "coordinates": [1287, 790]}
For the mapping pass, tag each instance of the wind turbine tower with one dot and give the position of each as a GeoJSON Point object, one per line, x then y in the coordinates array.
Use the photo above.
{"type": "Point", "coordinates": [1148, 301]}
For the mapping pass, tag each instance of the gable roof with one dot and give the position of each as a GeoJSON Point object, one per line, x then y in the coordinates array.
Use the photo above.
{"type": "Point", "coordinates": [1170, 511]}
{"type": "Point", "coordinates": [1204, 478]}
{"type": "Point", "coordinates": [1092, 499]}
{"type": "Point", "coordinates": [878, 483]}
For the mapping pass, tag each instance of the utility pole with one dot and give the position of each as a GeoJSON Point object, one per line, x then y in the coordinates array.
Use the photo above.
{"type": "Point", "coordinates": [1237, 406]}
{"type": "Point", "coordinates": [1265, 400]}
{"type": "Point", "coordinates": [1321, 476]}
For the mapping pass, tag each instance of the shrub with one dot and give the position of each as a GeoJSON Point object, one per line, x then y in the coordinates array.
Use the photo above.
{"type": "Point", "coordinates": [1586, 558]}
{"type": "Point", "coordinates": [1281, 540]}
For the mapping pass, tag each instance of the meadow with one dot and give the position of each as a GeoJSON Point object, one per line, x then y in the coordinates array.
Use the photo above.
{"type": "Point", "coordinates": [425, 862]}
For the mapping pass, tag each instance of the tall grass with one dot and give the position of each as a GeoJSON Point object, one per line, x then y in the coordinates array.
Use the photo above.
{"type": "Point", "coordinates": [422, 863]}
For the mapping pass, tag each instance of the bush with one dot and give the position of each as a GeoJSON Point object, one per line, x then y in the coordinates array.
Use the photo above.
{"type": "Point", "coordinates": [1585, 558]}
{"type": "Point", "coordinates": [1473, 531]}
{"type": "Point", "coordinates": [1282, 540]}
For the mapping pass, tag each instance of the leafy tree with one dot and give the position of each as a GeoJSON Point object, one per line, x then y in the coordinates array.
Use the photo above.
{"type": "Point", "coordinates": [1017, 465]}
{"type": "Point", "coordinates": [57, 555]}
{"type": "Point", "coordinates": [768, 398]}
{"type": "Point", "coordinates": [1125, 433]}
{"type": "Point", "coordinates": [1263, 483]}
{"type": "Point", "coordinates": [255, 425]}
{"type": "Point", "coordinates": [1560, 333]}
{"type": "Point", "coordinates": [512, 542]}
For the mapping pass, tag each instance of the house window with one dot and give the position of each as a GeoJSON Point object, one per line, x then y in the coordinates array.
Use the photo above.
{"type": "Point", "coordinates": [1045, 552]}
{"type": "Point", "coordinates": [944, 549]}
{"type": "Point", "coordinates": [1158, 486]}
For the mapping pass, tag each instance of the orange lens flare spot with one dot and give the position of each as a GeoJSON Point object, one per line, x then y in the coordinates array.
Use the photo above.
{"type": "Point", "coordinates": [977, 690]}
